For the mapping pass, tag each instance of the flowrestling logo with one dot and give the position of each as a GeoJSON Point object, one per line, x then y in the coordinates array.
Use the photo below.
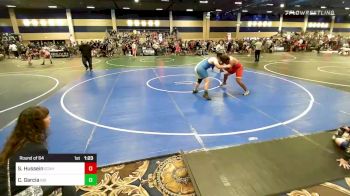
{"type": "Point", "coordinates": [310, 12]}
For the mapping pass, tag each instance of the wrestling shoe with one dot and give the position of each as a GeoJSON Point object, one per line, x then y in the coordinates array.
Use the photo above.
{"type": "Point", "coordinates": [246, 93]}
{"type": "Point", "coordinates": [206, 96]}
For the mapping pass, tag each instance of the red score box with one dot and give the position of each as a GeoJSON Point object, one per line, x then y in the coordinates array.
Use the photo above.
{"type": "Point", "coordinates": [90, 168]}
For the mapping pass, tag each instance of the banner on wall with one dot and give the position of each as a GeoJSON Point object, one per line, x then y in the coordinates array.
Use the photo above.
{"type": "Point", "coordinates": [59, 54]}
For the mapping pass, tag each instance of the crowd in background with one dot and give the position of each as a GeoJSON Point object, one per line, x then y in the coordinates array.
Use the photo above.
{"type": "Point", "coordinates": [165, 43]}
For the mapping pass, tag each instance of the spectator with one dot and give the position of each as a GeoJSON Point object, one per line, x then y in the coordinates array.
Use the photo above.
{"type": "Point", "coordinates": [29, 136]}
{"type": "Point", "coordinates": [220, 48]}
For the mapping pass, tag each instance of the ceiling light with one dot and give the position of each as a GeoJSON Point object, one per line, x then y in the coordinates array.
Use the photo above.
{"type": "Point", "coordinates": [35, 22]}
{"type": "Point", "coordinates": [165, 0]}
{"type": "Point", "coordinates": [297, 5]}
{"type": "Point", "coordinates": [269, 4]}
{"type": "Point", "coordinates": [43, 22]}
{"type": "Point", "coordinates": [282, 5]}
{"type": "Point", "coordinates": [10, 6]}
{"type": "Point", "coordinates": [156, 23]}
{"type": "Point", "coordinates": [52, 6]}
{"type": "Point", "coordinates": [150, 23]}
{"type": "Point", "coordinates": [51, 22]}
{"type": "Point", "coordinates": [60, 22]}
{"type": "Point", "coordinates": [159, 9]}
{"type": "Point", "coordinates": [129, 23]}
{"type": "Point", "coordinates": [143, 23]}
{"type": "Point", "coordinates": [323, 7]}
{"type": "Point", "coordinates": [218, 10]}
{"type": "Point", "coordinates": [269, 11]}
{"type": "Point", "coordinates": [26, 22]}
{"type": "Point", "coordinates": [126, 8]}
{"type": "Point", "coordinates": [189, 10]}
{"type": "Point", "coordinates": [244, 10]}
{"type": "Point", "coordinates": [238, 3]}
{"type": "Point", "coordinates": [90, 7]}
{"type": "Point", "coordinates": [136, 1]}
{"type": "Point", "coordinates": [203, 1]}
{"type": "Point", "coordinates": [347, 8]}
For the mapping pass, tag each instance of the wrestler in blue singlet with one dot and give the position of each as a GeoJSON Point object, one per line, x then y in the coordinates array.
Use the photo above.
{"type": "Point", "coordinates": [201, 69]}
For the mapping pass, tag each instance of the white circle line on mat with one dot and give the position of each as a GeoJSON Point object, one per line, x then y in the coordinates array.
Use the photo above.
{"type": "Point", "coordinates": [170, 91]}
{"type": "Point", "coordinates": [59, 68]}
{"type": "Point", "coordinates": [184, 134]}
{"type": "Point", "coordinates": [109, 127]}
{"type": "Point", "coordinates": [144, 60]}
{"type": "Point", "coordinates": [37, 97]}
{"type": "Point", "coordinates": [60, 62]}
{"type": "Point", "coordinates": [331, 72]}
{"type": "Point", "coordinates": [142, 66]}
{"type": "Point", "coordinates": [307, 79]}
{"type": "Point", "coordinates": [311, 102]}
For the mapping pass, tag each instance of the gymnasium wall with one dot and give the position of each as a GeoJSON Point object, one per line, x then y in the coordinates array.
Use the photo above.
{"type": "Point", "coordinates": [142, 20]}
{"type": "Point", "coordinates": [221, 24]}
{"type": "Point", "coordinates": [189, 24]}
{"type": "Point", "coordinates": [253, 25]}
{"type": "Point", "coordinates": [93, 24]}
{"type": "Point", "coordinates": [49, 25]}
{"type": "Point", "coordinates": [5, 22]}
{"type": "Point", "coordinates": [319, 19]}
{"type": "Point", "coordinates": [293, 23]}
{"type": "Point", "coordinates": [342, 25]}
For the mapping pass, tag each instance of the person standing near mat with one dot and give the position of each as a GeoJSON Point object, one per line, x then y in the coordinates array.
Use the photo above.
{"type": "Point", "coordinates": [29, 54]}
{"type": "Point", "coordinates": [85, 50]}
{"type": "Point", "coordinates": [257, 45]}
{"type": "Point", "coordinates": [134, 49]}
{"type": "Point", "coordinates": [235, 67]}
{"type": "Point", "coordinates": [202, 73]}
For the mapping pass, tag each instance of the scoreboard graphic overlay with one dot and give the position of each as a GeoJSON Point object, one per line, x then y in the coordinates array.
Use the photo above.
{"type": "Point", "coordinates": [56, 170]}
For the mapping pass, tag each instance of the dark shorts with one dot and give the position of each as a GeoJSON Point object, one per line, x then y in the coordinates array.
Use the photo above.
{"type": "Point", "coordinates": [344, 145]}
